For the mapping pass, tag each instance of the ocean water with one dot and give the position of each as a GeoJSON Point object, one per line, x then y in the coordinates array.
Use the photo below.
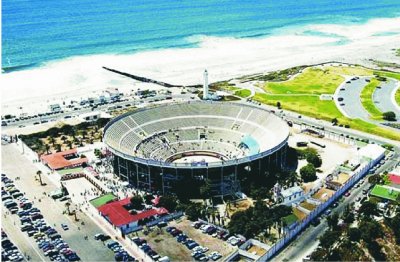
{"type": "Point", "coordinates": [38, 31]}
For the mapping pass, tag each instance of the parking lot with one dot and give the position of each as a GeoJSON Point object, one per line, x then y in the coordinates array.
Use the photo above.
{"type": "Point", "coordinates": [88, 249]}
{"type": "Point", "coordinates": [176, 245]}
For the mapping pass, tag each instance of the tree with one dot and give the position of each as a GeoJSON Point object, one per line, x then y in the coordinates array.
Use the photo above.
{"type": "Point", "coordinates": [329, 238]}
{"type": "Point", "coordinates": [370, 230]}
{"type": "Point", "coordinates": [39, 174]}
{"type": "Point", "coordinates": [137, 202]}
{"type": "Point", "coordinates": [333, 221]}
{"type": "Point", "coordinates": [389, 116]}
{"type": "Point", "coordinates": [278, 105]}
{"type": "Point", "coordinates": [58, 147]}
{"type": "Point", "coordinates": [308, 173]}
{"type": "Point", "coordinates": [348, 215]}
{"type": "Point", "coordinates": [335, 121]}
{"type": "Point", "coordinates": [52, 140]}
{"type": "Point", "coordinates": [375, 179]}
{"type": "Point", "coordinates": [319, 254]}
{"type": "Point", "coordinates": [193, 211]}
{"type": "Point", "coordinates": [47, 147]}
{"type": "Point", "coordinates": [354, 234]}
{"type": "Point", "coordinates": [314, 159]}
{"type": "Point", "coordinates": [205, 190]}
{"type": "Point", "coordinates": [293, 178]}
{"type": "Point", "coordinates": [168, 202]}
{"type": "Point", "coordinates": [67, 205]}
{"type": "Point", "coordinates": [369, 209]}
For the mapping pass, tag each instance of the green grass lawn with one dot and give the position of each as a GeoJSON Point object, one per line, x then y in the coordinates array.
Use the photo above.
{"type": "Point", "coordinates": [307, 100]}
{"type": "Point", "coordinates": [243, 93]}
{"type": "Point", "coordinates": [70, 171]}
{"type": "Point", "coordinates": [350, 71]}
{"type": "Point", "coordinates": [310, 81]}
{"type": "Point", "coordinates": [290, 219]}
{"type": "Point", "coordinates": [101, 200]}
{"type": "Point", "coordinates": [366, 99]}
{"type": "Point", "coordinates": [308, 105]}
{"type": "Point", "coordinates": [388, 74]}
{"type": "Point", "coordinates": [397, 96]}
{"type": "Point", "coordinates": [382, 192]}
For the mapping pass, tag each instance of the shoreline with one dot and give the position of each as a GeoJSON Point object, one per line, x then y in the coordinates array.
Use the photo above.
{"type": "Point", "coordinates": [224, 58]}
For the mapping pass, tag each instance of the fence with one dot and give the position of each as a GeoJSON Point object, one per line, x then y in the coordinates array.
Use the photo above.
{"type": "Point", "coordinates": [317, 211]}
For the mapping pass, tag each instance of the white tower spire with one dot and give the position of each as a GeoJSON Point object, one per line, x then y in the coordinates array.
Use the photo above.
{"type": "Point", "coordinates": [205, 85]}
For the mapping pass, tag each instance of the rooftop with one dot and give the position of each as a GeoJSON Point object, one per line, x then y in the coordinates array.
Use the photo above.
{"type": "Point", "coordinates": [371, 151]}
{"type": "Point", "coordinates": [59, 161]}
{"type": "Point", "coordinates": [291, 191]}
{"type": "Point", "coordinates": [118, 215]}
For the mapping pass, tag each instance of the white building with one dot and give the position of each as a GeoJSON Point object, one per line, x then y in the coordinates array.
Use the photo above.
{"type": "Point", "coordinates": [371, 152]}
{"type": "Point", "coordinates": [291, 195]}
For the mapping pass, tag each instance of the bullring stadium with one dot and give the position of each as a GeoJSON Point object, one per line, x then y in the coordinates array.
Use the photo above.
{"type": "Point", "coordinates": [168, 146]}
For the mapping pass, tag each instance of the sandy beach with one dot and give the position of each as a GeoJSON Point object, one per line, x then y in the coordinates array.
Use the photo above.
{"type": "Point", "coordinates": [225, 58]}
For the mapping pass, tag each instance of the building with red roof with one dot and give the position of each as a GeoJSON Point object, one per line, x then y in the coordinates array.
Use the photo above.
{"type": "Point", "coordinates": [395, 179]}
{"type": "Point", "coordinates": [117, 214]}
{"type": "Point", "coordinates": [64, 159]}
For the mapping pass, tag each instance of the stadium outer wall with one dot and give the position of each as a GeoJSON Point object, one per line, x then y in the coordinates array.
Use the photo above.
{"type": "Point", "coordinates": [154, 176]}
{"type": "Point", "coordinates": [225, 177]}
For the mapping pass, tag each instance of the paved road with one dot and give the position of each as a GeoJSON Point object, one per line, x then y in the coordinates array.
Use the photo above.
{"type": "Point", "coordinates": [351, 99]}
{"type": "Point", "coordinates": [123, 104]}
{"type": "Point", "coordinates": [13, 165]}
{"type": "Point", "coordinates": [382, 97]}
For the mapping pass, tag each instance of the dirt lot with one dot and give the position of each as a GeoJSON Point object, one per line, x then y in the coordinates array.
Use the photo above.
{"type": "Point", "coordinates": [333, 154]}
{"type": "Point", "coordinates": [300, 215]}
{"type": "Point", "coordinates": [307, 205]}
{"type": "Point", "coordinates": [257, 250]}
{"type": "Point", "coordinates": [342, 178]}
{"type": "Point", "coordinates": [239, 206]}
{"type": "Point", "coordinates": [166, 245]}
{"type": "Point", "coordinates": [323, 194]}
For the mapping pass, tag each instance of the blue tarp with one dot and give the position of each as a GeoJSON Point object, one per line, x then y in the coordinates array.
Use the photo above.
{"type": "Point", "coordinates": [251, 144]}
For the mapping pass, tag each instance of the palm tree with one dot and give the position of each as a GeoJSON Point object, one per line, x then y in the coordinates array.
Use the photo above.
{"type": "Point", "coordinates": [58, 147]}
{"type": "Point", "coordinates": [67, 205]}
{"type": "Point", "coordinates": [293, 178]}
{"type": "Point", "coordinates": [69, 144]}
{"type": "Point", "coordinates": [52, 140]}
{"type": "Point", "coordinates": [39, 174]}
{"type": "Point", "coordinates": [47, 148]}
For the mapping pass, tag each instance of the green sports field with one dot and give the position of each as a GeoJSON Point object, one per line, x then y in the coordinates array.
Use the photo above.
{"type": "Point", "coordinates": [101, 200]}
{"type": "Point", "coordinates": [385, 193]}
